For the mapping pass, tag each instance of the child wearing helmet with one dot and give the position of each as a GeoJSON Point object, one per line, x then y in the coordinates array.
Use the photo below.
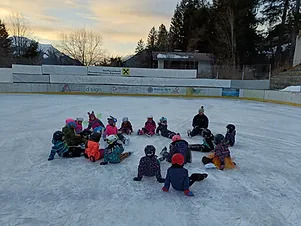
{"type": "Point", "coordinates": [111, 129]}
{"type": "Point", "coordinates": [230, 135]}
{"type": "Point", "coordinates": [92, 151]}
{"type": "Point", "coordinates": [177, 146]}
{"type": "Point", "coordinates": [70, 136]}
{"type": "Point", "coordinates": [178, 177]}
{"type": "Point", "coordinates": [149, 127]}
{"type": "Point", "coordinates": [126, 126]}
{"type": "Point", "coordinates": [79, 125]}
{"type": "Point", "coordinates": [162, 129]}
{"type": "Point", "coordinates": [61, 148]}
{"type": "Point", "coordinates": [114, 152]}
{"type": "Point", "coordinates": [207, 145]}
{"type": "Point", "coordinates": [149, 165]}
{"type": "Point", "coordinates": [94, 123]}
{"type": "Point", "coordinates": [221, 157]}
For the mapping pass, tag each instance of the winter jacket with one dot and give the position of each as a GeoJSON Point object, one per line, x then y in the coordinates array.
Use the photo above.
{"type": "Point", "coordinates": [162, 129]}
{"type": "Point", "coordinates": [230, 138]}
{"type": "Point", "coordinates": [177, 177]}
{"type": "Point", "coordinates": [59, 147]}
{"type": "Point", "coordinates": [111, 130]}
{"type": "Point", "coordinates": [78, 128]}
{"type": "Point", "coordinates": [150, 127]}
{"type": "Point", "coordinates": [92, 150]}
{"type": "Point", "coordinates": [149, 166]}
{"type": "Point", "coordinates": [179, 146]}
{"type": "Point", "coordinates": [95, 123]}
{"type": "Point", "coordinates": [126, 127]}
{"type": "Point", "coordinates": [112, 153]}
{"type": "Point", "coordinates": [71, 138]}
{"type": "Point", "coordinates": [200, 121]}
{"type": "Point", "coordinates": [221, 151]}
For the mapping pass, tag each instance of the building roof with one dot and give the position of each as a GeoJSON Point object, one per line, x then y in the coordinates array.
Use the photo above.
{"type": "Point", "coordinates": [182, 56]}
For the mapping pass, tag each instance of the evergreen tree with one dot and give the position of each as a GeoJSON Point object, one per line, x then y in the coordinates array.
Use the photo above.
{"type": "Point", "coordinates": [277, 13]}
{"type": "Point", "coordinates": [152, 39]}
{"type": "Point", "coordinates": [162, 42]}
{"type": "Point", "coordinates": [176, 30]}
{"type": "Point", "coordinates": [5, 46]}
{"type": "Point", "coordinates": [31, 51]}
{"type": "Point", "coordinates": [235, 26]}
{"type": "Point", "coordinates": [183, 24]}
{"type": "Point", "coordinates": [140, 46]}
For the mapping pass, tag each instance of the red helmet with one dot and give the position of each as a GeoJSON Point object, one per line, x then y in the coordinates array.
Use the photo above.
{"type": "Point", "coordinates": [176, 138]}
{"type": "Point", "coordinates": [177, 159]}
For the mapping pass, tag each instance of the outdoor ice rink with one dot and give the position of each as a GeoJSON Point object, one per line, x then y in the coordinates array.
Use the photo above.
{"type": "Point", "coordinates": [265, 189]}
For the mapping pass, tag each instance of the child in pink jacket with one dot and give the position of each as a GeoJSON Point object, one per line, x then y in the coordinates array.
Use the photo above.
{"type": "Point", "coordinates": [111, 129]}
{"type": "Point", "coordinates": [149, 128]}
{"type": "Point", "coordinates": [79, 125]}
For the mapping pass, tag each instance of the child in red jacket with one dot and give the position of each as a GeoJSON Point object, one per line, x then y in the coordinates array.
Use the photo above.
{"type": "Point", "coordinates": [92, 151]}
{"type": "Point", "coordinates": [149, 128]}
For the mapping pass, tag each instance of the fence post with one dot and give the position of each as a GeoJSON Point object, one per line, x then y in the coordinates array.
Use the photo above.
{"type": "Point", "coordinates": [270, 72]}
{"type": "Point", "coordinates": [243, 73]}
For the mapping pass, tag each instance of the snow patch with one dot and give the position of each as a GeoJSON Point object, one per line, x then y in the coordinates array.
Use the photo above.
{"type": "Point", "coordinates": [292, 89]}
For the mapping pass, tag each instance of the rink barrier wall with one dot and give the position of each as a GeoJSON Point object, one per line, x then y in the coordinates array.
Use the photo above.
{"type": "Point", "coordinates": [119, 76]}
{"type": "Point", "coordinates": [278, 97]}
{"type": "Point", "coordinates": [6, 75]}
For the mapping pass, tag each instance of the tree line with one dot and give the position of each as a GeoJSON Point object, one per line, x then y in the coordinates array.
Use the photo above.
{"type": "Point", "coordinates": [236, 32]}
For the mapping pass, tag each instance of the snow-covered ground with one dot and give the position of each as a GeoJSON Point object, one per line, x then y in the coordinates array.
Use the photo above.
{"type": "Point", "coordinates": [292, 89]}
{"type": "Point", "coordinates": [264, 190]}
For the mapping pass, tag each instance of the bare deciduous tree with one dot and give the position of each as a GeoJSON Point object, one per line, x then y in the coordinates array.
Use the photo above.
{"type": "Point", "coordinates": [83, 45]}
{"type": "Point", "coordinates": [20, 32]}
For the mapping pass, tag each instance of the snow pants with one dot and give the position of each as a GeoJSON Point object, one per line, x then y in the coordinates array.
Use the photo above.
{"type": "Point", "coordinates": [73, 152]}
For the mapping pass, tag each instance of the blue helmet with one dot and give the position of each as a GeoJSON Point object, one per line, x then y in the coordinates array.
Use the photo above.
{"type": "Point", "coordinates": [163, 119]}
{"type": "Point", "coordinates": [58, 136]}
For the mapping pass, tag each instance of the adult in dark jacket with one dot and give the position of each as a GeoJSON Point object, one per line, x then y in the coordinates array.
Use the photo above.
{"type": "Point", "coordinates": [178, 177]}
{"type": "Point", "coordinates": [149, 165]}
{"type": "Point", "coordinates": [200, 122]}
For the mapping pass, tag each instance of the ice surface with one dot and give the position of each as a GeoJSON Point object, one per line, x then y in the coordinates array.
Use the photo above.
{"type": "Point", "coordinates": [264, 190]}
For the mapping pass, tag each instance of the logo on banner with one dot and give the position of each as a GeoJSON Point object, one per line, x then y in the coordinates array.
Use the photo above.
{"type": "Point", "coordinates": [126, 72]}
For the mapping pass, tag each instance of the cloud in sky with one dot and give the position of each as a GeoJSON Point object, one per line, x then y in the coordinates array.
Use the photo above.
{"type": "Point", "coordinates": [122, 23]}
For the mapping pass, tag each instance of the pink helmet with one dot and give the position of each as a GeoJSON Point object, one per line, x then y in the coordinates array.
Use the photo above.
{"type": "Point", "coordinates": [176, 138]}
{"type": "Point", "coordinates": [69, 120]}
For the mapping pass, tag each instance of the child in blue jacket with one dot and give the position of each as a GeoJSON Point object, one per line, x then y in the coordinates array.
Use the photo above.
{"type": "Point", "coordinates": [178, 177]}
{"type": "Point", "coordinates": [230, 135]}
{"type": "Point", "coordinates": [61, 148]}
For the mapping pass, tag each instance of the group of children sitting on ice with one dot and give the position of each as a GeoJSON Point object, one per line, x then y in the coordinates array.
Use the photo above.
{"type": "Point", "coordinates": [74, 141]}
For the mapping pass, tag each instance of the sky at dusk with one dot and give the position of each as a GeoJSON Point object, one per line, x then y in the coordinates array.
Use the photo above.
{"type": "Point", "coordinates": [121, 22]}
